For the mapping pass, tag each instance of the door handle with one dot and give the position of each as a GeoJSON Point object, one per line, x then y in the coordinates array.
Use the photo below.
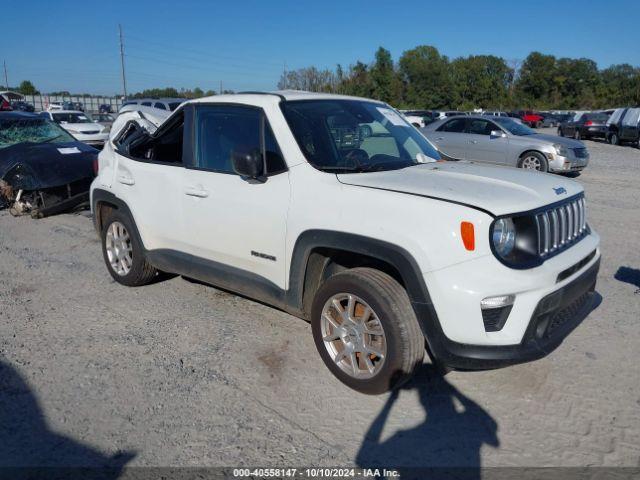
{"type": "Point", "coordinates": [196, 192]}
{"type": "Point", "coordinates": [473, 141]}
{"type": "Point", "coordinates": [439, 138]}
{"type": "Point", "coordinates": [126, 180]}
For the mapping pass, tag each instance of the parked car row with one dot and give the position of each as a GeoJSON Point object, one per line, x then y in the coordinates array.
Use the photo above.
{"type": "Point", "coordinates": [169, 104]}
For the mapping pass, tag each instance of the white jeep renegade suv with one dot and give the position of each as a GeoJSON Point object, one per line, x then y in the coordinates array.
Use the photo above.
{"type": "Point", "coordinates": [336, 210]}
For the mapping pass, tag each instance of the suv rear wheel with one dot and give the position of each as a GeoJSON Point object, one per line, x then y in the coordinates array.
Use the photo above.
{"type": "Point", "coordinates": [613, 139]}
{"type": "Point", "coordinates": [366, 331]}
{"type": "Point", "coordinates": [123, 253]}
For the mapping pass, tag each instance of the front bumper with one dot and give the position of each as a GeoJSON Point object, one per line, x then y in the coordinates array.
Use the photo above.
{"type": "Point", "coordinates": [555, 316]}
{"type": "Point", "coordinates": [550, 300]}
{"type": "Point", "coordinates": [570, 163]}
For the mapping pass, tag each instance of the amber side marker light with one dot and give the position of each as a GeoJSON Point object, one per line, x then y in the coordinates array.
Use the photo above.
{"type": "Point", "coordinates": [468, 236]}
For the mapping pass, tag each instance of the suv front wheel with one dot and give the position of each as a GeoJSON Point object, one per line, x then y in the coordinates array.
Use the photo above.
{"type": "Point", "coordinates": [123, 253]}
{"type": "Point", "coordinates": [366, 331]}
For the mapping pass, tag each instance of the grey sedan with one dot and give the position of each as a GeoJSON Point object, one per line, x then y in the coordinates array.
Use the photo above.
{"type": "Point", "coordinates": [503, 141]}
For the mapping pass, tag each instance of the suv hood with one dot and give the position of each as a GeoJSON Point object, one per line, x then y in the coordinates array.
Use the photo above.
{"type": "Point", "coordinates": [498, 190]}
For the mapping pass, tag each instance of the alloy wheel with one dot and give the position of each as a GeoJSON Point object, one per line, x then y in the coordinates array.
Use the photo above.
{"type": "Point", "coordinates": [119, 249]}
{"type": "Point", "coordinates": [353, 335]}
{"type": "Point", "coordinates": [531, 162]}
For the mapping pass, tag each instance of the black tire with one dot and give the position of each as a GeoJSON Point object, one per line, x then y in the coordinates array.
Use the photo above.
{"type": "Point", "coordinates": [560, 132]}
{"type": "Point", "coordinates": [544, 165]}
{"type": "Point", "coordinates": [405, 343]}
{"type": "Point", "coordinates": [613, 139]}
{"type": "Point", "coordinates": [577, 135]}
{"type": "Point", "coordinates": [141, 271]}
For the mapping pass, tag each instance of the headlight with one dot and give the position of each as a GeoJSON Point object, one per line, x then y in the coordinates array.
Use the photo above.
{"type": "Point", "coordinates": [561, 150]}
{"type": "Point", "coordinates": [514, 241]}
{"type": "Point", "coordinates": [504, 237]}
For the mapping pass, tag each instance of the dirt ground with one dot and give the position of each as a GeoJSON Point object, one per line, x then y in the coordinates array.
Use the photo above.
{"type": "Point", "coordinates": [181, 374]}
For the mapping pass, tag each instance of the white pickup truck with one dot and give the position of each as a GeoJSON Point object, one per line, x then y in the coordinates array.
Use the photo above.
{"type": "Point", "coordinates": [337, 210]}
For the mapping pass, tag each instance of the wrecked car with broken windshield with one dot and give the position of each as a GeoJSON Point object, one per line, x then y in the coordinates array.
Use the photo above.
{"type": "Point", "coordinates": [43, 169]}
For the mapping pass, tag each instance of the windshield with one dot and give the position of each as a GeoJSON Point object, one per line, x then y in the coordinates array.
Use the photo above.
{"type": "Point", "coordinates": [71, 118]}
{"type": "Point", "coordinates": [36, 130]}
{"type": "Point", "coordinates": [354, 135]}
{"type": "Point", "coordinates": [514, 127]}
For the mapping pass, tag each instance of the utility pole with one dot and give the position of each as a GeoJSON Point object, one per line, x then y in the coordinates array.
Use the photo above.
{"type": "Point", "coordinates": [124, 79]}
{"type": "Point", "coordinates": [284, 75]}
{"type": "Point", "coordinates": [6, 78]}
{"type": "Point", "coordinates": [220, 87]}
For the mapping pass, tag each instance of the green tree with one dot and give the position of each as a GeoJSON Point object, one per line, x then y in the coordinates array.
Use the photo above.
{"type": "Point", "coordinates": [385, 81]}
{"type": "Point", "coordinates": [427, 78]}
{"type": "Point", "coordinates": [358, 81]}
{"type": "Point", "coordinates": [536, 83]}
{"type": "Point", "coordinates": [481, 81]}
{"type": "Point", "coordinates": [27, 88]}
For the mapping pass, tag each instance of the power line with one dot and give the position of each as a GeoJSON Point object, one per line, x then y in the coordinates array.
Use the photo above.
{"type": "Point", "coordinates": [206, 54]}
{"type": "Point", "coordinates": [193, 67]}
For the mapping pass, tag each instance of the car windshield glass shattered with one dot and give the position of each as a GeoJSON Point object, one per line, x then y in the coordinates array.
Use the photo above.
{"type": "Point", "coordinates": [514, 127]}
{"type": "Point", "coordinates": [71, 118]}
{"type": "Point", "coordinates": [34, 130]}
{"type": "Point", "coordinates": [356, 136]}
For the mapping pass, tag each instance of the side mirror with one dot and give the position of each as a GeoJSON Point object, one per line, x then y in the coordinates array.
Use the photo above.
{"type": "Point", "coordinates": [498, 133]}
{"type": "Point", "coordinates": [248, 164]}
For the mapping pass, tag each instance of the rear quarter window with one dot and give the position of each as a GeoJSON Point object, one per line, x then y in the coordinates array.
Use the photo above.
{"type": "Point", "coordinates": [453, 126]}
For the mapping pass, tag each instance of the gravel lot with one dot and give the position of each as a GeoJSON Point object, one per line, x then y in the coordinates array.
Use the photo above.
{"type": "Point", "coordinates": [181, 374]}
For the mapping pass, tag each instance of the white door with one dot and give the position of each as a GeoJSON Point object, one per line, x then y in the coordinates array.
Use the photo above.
{"type": "Point", "coordinates": [149, 181]}
{"type": "Point", "coordinates": [228, 219]}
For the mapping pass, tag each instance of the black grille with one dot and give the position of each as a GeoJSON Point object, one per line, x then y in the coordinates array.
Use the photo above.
{"type": "Point", "coordinates": [495, 318]}
{"type": "Point", "coordinates": [560, 311]}
{"type": "Point", "coordinates": [566, 314]}
{"type": "Point", "coordinates": [580, 152]}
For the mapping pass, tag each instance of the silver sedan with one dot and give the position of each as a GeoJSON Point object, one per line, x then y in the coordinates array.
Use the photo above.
{"type": "Point", "coordinates": [502, 141]}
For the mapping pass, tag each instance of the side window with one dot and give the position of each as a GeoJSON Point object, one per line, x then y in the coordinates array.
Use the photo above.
{"type": "Point", "coordinates": [222, 131]}
{"type": "Point", "coordinates": [146, 104]}
{"type": "Point", "coordinates": [453, 126]}
{"type": "Point", "coordinates": [165, 146]}
{"type": "Point", "coordinates": [160, 106]}
{"type": "Point", "coordinates": [481, 127]}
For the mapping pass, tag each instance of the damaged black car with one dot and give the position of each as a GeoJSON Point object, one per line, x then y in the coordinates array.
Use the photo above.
{"type": "Point", "coordinates": [43, 169]}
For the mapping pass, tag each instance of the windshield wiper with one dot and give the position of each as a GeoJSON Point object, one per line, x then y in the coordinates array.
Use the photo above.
{"type": "Point", "coordinates": [51, 139]}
